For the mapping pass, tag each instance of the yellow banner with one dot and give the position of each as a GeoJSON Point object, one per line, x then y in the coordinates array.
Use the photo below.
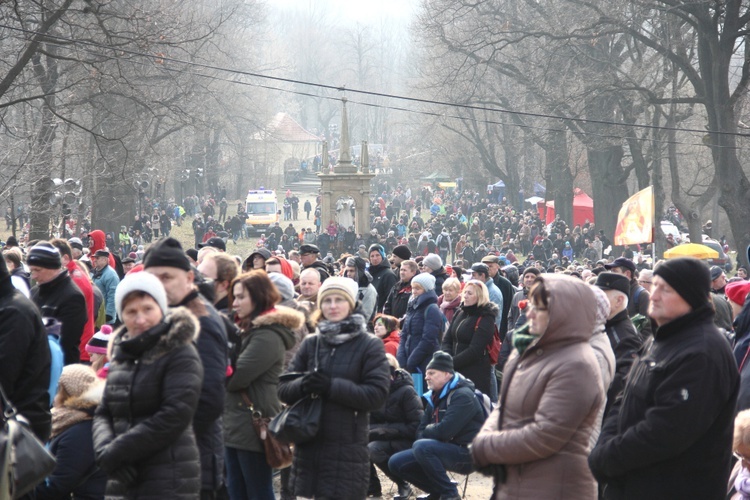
{"type": "Point", "coordinates": [635, 222]}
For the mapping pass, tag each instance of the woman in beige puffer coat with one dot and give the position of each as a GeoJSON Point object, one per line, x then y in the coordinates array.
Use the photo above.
{"type": "Point", "coordinates": [551, 395]}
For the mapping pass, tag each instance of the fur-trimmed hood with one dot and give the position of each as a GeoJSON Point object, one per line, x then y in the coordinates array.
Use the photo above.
{"type": "Point", "coordinates": [284, 320]}
{"type": "Point", "coordinates": [181, 327]}
{"type": "Point", "coordinates": [89, 399]}
{"type": "Point", "coordinates": [280, 315]}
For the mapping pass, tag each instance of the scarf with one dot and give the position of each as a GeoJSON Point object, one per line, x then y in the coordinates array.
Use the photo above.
{"type": "Point", "coordinates": [64, 418]}
{"type": "Point", "coordinates": [742, 484]}
{"type": "Point", "coordinates": [522, 339]}
{"type": "Point", "coordinates": [336, 333]}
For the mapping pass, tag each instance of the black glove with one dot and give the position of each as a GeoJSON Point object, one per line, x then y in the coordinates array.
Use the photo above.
{"type": "Point", "coordinates": [126, 475]}
{"type": "Point", "coordinates": [316, 383]}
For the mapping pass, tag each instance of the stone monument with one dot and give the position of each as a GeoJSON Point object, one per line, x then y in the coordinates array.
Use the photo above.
{"type": "Point", "coordinates": [346, 182]}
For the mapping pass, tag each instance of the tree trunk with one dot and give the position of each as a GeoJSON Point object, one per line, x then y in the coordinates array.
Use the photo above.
{"type": "Point", "coordinates": [557, 173]}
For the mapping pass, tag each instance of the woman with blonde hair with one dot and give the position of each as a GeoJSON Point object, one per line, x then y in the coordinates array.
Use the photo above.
{"type": "Point", "coordinates": [470, 335]}
{"type": "Point", "coordinates": [739, 479]}
{"type": "Point", "coordinates": [449, 301]}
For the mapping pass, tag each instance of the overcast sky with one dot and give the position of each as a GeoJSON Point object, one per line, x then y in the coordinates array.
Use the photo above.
{"type": "Point", "coordinates": [363, 11]}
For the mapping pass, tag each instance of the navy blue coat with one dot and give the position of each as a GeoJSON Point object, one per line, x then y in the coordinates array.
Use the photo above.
{"type": "Point", "coordinates": [76, 472]}
{"type": "Point", "coordinates": [420, 336]}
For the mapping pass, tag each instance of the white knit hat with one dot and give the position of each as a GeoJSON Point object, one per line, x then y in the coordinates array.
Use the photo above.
{"type": "Point", "coordinates": [141, 282]}
{"type": "Point", "coordinates": [425, 280]}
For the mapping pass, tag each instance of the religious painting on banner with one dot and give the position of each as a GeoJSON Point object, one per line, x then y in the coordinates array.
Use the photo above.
{"type": "Point", "coordinates": [635, 222]}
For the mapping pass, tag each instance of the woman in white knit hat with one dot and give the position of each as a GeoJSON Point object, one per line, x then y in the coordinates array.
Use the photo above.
{"type": "Point", "coordinates": [352, 376]}
{"type": "Point", "coordinates": [143, 432]}
{"type": "Point", "coordinates": [423, 326]}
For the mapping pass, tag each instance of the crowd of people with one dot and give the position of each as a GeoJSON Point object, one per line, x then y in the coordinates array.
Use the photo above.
{"type": "Point", "coordinates": [475, 339]}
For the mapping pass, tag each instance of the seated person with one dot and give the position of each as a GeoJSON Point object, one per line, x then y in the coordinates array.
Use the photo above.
{"type": "Point", "coordinates": [394, 428]}
{"type": "Point", "coordinates": [451, 420]}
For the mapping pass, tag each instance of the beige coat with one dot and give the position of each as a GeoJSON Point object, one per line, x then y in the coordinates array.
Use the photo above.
{"type": "Point", "coordinates": [554, 393]}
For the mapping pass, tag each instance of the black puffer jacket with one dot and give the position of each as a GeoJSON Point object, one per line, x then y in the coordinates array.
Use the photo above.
{"type": "Point", "coordinates": [670, 436]}
{"type": "Point", "coordinates": [336, 464]}
{"type": "Point", "coordinates": [145, 417]}
{"type": "Point", "coordinates": [467, 339]}
{"type": "Point", "coordinates": [24, 357]}
{"type": "Point", "coordinates": [399, 419]}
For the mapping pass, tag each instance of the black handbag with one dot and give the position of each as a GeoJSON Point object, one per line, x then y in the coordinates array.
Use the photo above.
{"type": "Point", "coordinates": [300, 422]}
{"type": "Point", "coordinates": [24, 461]}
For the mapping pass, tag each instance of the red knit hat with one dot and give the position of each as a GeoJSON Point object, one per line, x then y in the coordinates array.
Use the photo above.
{"type": "Point", "coordinates": [737, 291]}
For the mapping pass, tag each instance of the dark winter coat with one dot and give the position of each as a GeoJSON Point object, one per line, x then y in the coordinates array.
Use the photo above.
{"type": "Point", "coordinates": [61, 299]}
{"type": "Point", "coordinates": [467, 341]}
{"type": "Point", "coordinates": [336, 463]}
{"type": "Point", "coordinates": [76, 474]}
{"type": "Point", "coordinates": [145, 417]}
{"type": "Point", "coordinates": [383, 279]}
{"type": "Point", "coordinates": [626, 342]}
{"type": "Point", "coordinates": [671, 434]}
{"type": "Point", "coordinates": [454, 416]}
{"type": "Point", "coordinates": [440, 276]}
{"type": "Point", "coordinates": [398, 300]}
{"type": "Point", "coordinates": [508, 290]}
{"type": "Point", "coordinates": [212, 349]}
{"type": "Point", "coordinates": [420, 335]}
{"type": "Point", "coordinates": [399, 419]}
{"type": "Point", "coordinates": [24, 358]}
{"type": "Point", "coordinates": [257, 375]}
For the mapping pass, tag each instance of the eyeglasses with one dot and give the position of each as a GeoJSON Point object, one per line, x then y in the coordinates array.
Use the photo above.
{"type": "Point", "coordinates": [739, 457]}
{"type": "Point", "coordinates": [642, 282]}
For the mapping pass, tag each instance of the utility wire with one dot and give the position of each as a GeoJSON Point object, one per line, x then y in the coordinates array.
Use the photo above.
{"type": "Point", "coordinates": [340, 88]}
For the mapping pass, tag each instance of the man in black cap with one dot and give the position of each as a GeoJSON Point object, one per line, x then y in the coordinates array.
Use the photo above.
{"type": "Point", "coordinates": [623, 337]}
{"type": "Point", "coordinates": [399, 254]}
{"type": "Point", "coordinates": [216, 243]}
{"type": "Point", "coordinates": [58, 297]}
{"type": "Point", "coordinates": [451, 420]}
{"type": "Point", "coordinates": [24, 356]}
{"type": "Point", "coordinates": [670, 435]}
{"type": "Point", "coordinates": [310, 258]}
{"type": "Point", "coordinates": [718, 280]}
{"type": "Point", "coordinates": [167, 261]}
{"type": "Point", "coordinates": [106, 279]}
{"type": "Point", "coordinates": [639, 298]}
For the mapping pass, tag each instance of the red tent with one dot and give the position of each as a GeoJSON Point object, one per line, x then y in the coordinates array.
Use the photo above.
{"type": "Point", "coordinates": [583, 208]}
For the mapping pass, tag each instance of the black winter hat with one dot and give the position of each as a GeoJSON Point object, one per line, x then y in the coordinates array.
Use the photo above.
{"type": "Point", "coordinates": [689, 277]}
{"type": "Point", "coordinates": [613, 281]}
{"type": "Point", "coordinates": [43, 254]}
{"type": "Point", "coordinates": [402, 252]}
{"type": "Point", "coordinates": [441, 361]}
{"type": "Point", "coordinates": [167, 252]}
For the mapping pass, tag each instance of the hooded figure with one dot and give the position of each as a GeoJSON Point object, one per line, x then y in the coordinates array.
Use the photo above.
{"type": "Point", "coordinates": [542, 435]}
{"type": "Point", "coordinates": [99, 242]}
{"type": "Point", "coordinates": [367, 296]}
